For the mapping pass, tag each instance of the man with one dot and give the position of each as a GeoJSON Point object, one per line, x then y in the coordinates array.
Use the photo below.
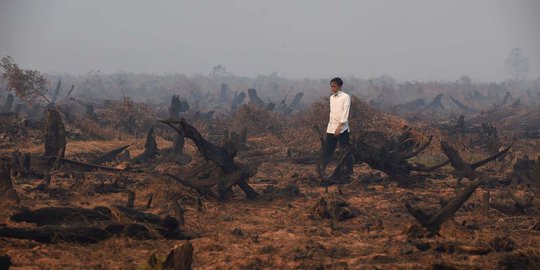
{"type": "Point", "coordinates": [338, 124]}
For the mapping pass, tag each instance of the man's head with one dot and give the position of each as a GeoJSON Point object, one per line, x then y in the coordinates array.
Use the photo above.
{"type": "Point", "coordinates": [336, 84]}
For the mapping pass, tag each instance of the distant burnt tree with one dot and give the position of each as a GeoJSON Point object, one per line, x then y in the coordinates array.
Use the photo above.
{"type": "Point", "coordinates": [177, 106]}
{"type": "Point", "coordinates": [254, 98]}
{"type": "Point", "coordinates": [237, 100]}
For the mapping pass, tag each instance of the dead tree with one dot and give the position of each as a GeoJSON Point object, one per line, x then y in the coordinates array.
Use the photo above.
{"type": "Point", "coordinates": [254, 98]}
{"type": "Point", "coordinates": [226, 172]}
{"type": "Point", "coordinates": [224, 93]}
{"type": "Point", "coordinates": [237, 100]}
{"type": "Point", "coordinates": [177, 106]}
{"type": "Point", "coordinates": [56, 92]}
{"type": "Point", "coordinates": [55, 133]}
{"type": "Point", "coordinates": [462, 169]}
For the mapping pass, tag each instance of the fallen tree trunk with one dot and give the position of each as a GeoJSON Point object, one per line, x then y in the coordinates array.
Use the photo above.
{"type": "Point", "coordinates": [109, 155]}
{"type": "Point", "coordinates": [92, 225]}
{"type": "Point", "coordinates": [85, 165]}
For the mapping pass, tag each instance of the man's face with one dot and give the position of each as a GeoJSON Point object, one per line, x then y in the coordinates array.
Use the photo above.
{"type": "Point", "coordinates": [335, 87]}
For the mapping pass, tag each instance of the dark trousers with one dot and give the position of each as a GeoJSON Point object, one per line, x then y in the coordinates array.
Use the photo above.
{"type": "Point", "coordinates": [330, 145]}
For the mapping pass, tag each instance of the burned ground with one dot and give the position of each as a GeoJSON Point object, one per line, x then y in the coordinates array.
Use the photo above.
{"type": "Point", "coordinates": [129, 210]}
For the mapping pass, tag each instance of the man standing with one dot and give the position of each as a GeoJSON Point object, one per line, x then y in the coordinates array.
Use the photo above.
{"type": "Point", "coordinates": [338, 124]}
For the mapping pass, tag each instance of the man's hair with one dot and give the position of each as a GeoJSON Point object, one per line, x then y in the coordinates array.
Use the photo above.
{"type": "Point", "coordinates": [337, 80]}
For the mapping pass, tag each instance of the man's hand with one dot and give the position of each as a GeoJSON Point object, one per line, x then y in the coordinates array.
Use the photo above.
{"type": "Point", "coordinates": [338, 130]}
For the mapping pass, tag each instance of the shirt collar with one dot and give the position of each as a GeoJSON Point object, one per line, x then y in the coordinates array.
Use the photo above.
{"type": "Point", "coordinates": [337, 93]}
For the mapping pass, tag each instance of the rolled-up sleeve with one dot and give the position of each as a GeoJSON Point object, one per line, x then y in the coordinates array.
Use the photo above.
{"type": "Point", "coordinates": [345, 109]}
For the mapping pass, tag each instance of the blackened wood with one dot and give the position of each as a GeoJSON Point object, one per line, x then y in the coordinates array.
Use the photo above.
{"type": "Point", "coordinates": [54, 234]}
{"type": "Point", "coordinates": [55, 134]}
{"type": "Point", "coordinates": [254, 98]}
{"type": "Point", "coordinates": [59, 215]}
{"type": "Point", "coordinates": [150, 148]}
{"type": "Point", "coordinates": [6, 186]}
{"type": "Point", "coordinates": [85, 165]}
{"type": "Point", "coordinates": [109, 156]}
{"type": "Point", "coordinates": [179, 258]}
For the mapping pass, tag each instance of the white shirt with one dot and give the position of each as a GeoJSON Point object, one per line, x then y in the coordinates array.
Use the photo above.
{"type": "Point", "coordinates": [340, 104]}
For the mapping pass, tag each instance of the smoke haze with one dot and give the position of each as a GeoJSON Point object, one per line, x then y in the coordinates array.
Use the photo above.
{"type": "Point", "coordinates": [408, 40]}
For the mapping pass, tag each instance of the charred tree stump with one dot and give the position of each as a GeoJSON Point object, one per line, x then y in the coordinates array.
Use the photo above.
{"type": "Point", "coordinates": [55, 133]}
{"type": "Point", "coordinates": [296, 101]}
{"type": "Point", "coordinates": [254, 98]}
{"type": "Point", "coordinates": [237, 100]}
{"type": "Point", "coordinates": [6, 187]}
{"type": "Point", "coordinates": [150, 148]}
{"type": "Point", "coordinates": [179, 258]}
{"type": "Point", "coordinates": [177, 106]}
{"type": "Point", "coordinates": [224, 93]}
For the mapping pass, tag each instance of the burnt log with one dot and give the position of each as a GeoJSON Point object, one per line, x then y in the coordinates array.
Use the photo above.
{"type": "Point", "coordinates": [54, 234]}
{"type": "Point", "coordinates": [83, 165]}
{"type": "Point", "coordinates": [92, 225]}
{"type": "Point", "coordinates": [109, 156]}
{"type": "Point", "coordinates": [55, 133]}
{"type": "Point", "coordinates": [59, 215]}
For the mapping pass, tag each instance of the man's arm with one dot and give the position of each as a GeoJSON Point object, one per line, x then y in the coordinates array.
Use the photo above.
{"type": "Point", "coordinates": [344, 115]}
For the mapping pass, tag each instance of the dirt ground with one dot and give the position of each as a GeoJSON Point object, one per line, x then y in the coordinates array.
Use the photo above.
{"type": "Point", "coordinates": [280, 230]}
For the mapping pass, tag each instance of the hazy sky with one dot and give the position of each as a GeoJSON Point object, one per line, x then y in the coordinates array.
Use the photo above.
{"type": "Point", "coordinates": [406, 39]}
